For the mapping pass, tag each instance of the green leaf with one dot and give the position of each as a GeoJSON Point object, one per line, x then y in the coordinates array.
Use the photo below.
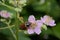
{"type": "Point", "coordinates": [56, 30]}
{"type": "Point", "coordinates": [7, 33]}
{"type": "Point", "coordinates": [23, 36]}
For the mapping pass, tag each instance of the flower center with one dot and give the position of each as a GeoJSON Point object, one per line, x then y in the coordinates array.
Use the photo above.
{"type": "Point", "coordinates": [48, 19]}
{"type": "Point", "coordinates": [33, 25]}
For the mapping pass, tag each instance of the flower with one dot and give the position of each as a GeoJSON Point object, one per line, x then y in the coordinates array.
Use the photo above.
{"type": "Point", "coordinates": [48, 20]}
{"type": "Point", "coordinates": [35, 25]}
{"type": "Point", "coordinates": [5, 14]}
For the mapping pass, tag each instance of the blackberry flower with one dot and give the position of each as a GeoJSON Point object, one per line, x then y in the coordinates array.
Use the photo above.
{"type": "Point", "coordinates": [5, 14]}
{"type": "Point", "coordinates": [48, 20]}
{"type": "Point", "coordinates": [35, 25]}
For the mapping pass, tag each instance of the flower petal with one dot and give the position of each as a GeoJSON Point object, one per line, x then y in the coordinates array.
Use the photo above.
{"type": "Point", "coordinates": [31, 19]}
{"type": "Point", "coordinates": [42, 19]}
{"type": "Point", "coordinates": [30, 31]}
{"type": "Point", "coordinates": [37, 30]}
{"type": "Point", "coordinates": [39, 23]}
{"type": "Point", "coordinates": [52, 23]}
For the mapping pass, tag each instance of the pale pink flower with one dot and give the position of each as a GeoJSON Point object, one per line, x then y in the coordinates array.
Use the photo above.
{"type": "Point", "coordinates": [36, 25]}
{"type": "Point", "coordinates": [48, 20]}
{"type": "Point", "coordinates": [5, 14]}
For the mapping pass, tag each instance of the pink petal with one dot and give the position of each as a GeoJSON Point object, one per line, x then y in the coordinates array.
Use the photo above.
{"type": "Point", "coordinates": [31, 19]}
{"type": "Point", "coordinates": [43, 19]}
{"type": "Point", "coordinates": [37, 30]}
{"type": "Point", "coordinates": [52, 23]}
{"type": "Point", "coordinates": [39, 23]}
{"type": "Point", "coordinates": [30, 31]}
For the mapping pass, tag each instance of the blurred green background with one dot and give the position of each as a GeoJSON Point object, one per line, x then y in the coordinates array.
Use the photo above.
{"type": "Point", "coordinates": [37, 8]}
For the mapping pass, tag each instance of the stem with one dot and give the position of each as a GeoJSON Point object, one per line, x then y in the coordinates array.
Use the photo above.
{"type": "Point", "coordinates": [10, 7]}
{"type": "Point", "coordinates": [17, 22]}
{"type": "Point", "coordinates": [17, 25]}
{"type": "Point", "coordinates": [7, 27]}
{"type": "Point", "coordinates": [12, 32]}
{"type": "Point", "coordinates": [10, 28]}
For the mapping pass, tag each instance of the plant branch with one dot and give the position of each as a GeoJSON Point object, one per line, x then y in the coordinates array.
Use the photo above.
{"type": "Point", "coordinates": [7, 27]}
{"type": "Point", "coordinates": [12, 32]}
{"type": "Point", "coordinates": [10, 7]}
